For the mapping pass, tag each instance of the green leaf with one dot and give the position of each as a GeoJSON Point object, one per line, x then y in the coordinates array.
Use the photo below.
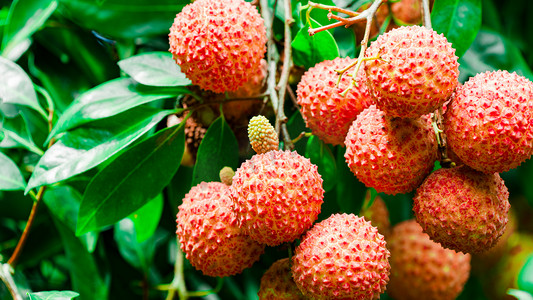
{"type": "Point", "coordinates": [320, 155]}
{"type": "Point", "coordinates": [10, 178]}
{"type": "Point", "coordinates": [458, 20]}
{"type": "Point", "coordinates": [105, 100]}
{"type": "Point", "coordinates": [53, 295]}
{"type": "Point", "coordinates": [525, 277]}
{"type": "Point", "coordinates": [84, 148]}
{"type": "Point", "coordinates": [218, 149]}
{"type": "Point", "coordinates": [25, 17]}
{"type": "Point", "coordinates": [310, 50]}
{"type": "Point", "coordinates": [16, 135]}
{"type": "Point", "coordinates": [83, 267]}
{"type": "Point", "coordinates": [520, 295]}
{"type": "Point", "coordinates": [154, 68]}
{"type": "Point", "coordinates": [124, 19]}
{"type": "Point", "coordinates": [131, 180]}
{"type": "Point", "coordinates": [146, 218]}
{"type": "Point", "coordinates": [138, 254]}
{"type": "Point", "coordinates": [350, 192]}
{"type": "Point", "coordinates": [295, 126]}
{"type": "Point", "coordinates": [64, 202]}
{"type": "Point", "coordinates": [16, 87]}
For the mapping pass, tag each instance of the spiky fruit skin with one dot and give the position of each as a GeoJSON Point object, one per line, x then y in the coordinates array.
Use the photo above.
{"type": "Point", "coordinates": [392, 155]}
{"type": "Point", "coordinates": [342, 257]}
{"type": "Point", "coordinates": [504, 275]}
{"type": "Point", "coordinates": [419, 73]}
{"type": "Point", "coordinates": [218, 43]}
{"type": "Point", "coordinates": [209, 233]}
{"type": "Point", "coordinates": [463, 209]}
{"type": "Point", "coordinates": [326, 112]}
{"type": "Point", "coordinates": [421, 268]}
{"type": "Point", "coordinates": [277, 283]}
{"type": "Point", "coordinates": [377, 214]}
{"type": "Point", "coordinates": [262, 135]}
{"type": "Point", "coordinates": [489, 123]}
{"type": "Point", "coordinates": [277, 196]}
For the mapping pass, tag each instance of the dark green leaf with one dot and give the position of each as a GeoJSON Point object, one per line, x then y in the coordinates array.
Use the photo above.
{"type": "Point", "coordinates": [25, 17]}
{"type": "Point", "coordinates": [218, 149]}
{"type": "Point", "coordinates": [131, 180]}
{"type": "Point", "coordinates": [53, 295]}
{"type": "Point", "coordinates": [525, 277]}
{"type": "Point", "coordinates": [310, 50]}
{"type": "Point", "coordinates": [350, 191]}
{"type": "Point", "coordinates": [146, 218]}
{"type": "Point", "coordinates": [345, 39]}
{"type": "Point", "coordinates": [123, 19]}
{"type": "Point", "coordinates": [16, 135]}
{"type": "Point", "coordinates": [64, 202]}
{"type": "Point", "coordinates": [83, 268]}
{"type": "Point", "coordinates": [320, 155]}
{"type": "Point", "coordinates": [16, 87]}
{"type": "Point", "coordinates": [139, 255]}
{"type": "Point", "coordinates": [295, 126]}
{"type": "Point", "coordinates": [10, 177]}
{"type": "Point", "coordinates": [458, 20]}
{"type": "Point", "coordinates": [154, 68]}
{"type": "Point", "coordinates": [105, 100]}
{"type": "Point", "coordinates": [84, 148]}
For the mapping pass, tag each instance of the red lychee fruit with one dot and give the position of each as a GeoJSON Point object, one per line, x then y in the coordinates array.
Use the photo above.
{"type": "Point", "coordinates": [421, 268]}
{"type": "Point", "coordinates": [392, 155]}
{"type": "Point", "coordinates": [377, 214]}
{"type": "Point", "coordinates": [218, 43]}
{"type": "Point", "coordinates": [209, 233]}
{"type": "Point", "coordinates": [489, 123]}
{"type": "Point", "coordinates": [277, 196]}
{"type": "Point", "coordinates": [463, 209]}
{"type": "Point", "coordinates": [326, 112]}
{"type": "Point", "coordinates": [416, 74]}
{"type": "Point", "coordinates": [277, 283]}
{"type": "Point", "coordinates": [342, 257]}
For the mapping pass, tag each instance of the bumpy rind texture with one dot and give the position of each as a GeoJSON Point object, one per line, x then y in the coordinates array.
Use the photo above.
{"type": "Point", "coordinates": [277, 196]}
{"type": "Point", "coordinates": [489, 123]}
{"type": "Point", "coordinates": [326, 112]}
{"type": "Point", "coordinates": [377, 214]}
{"type": "Point", "coordinates": [342, 257]}
{"type": "Point", "coordinates": [392, 155]}
{"type": "Point", "coordinates": [463, 209]}
{"type": "Point", "coordinates": [262, 135]}
{"type": "Point", "coordinates": [218, 43]}
{"type": "Point", "coordinates": [209, 233]}
{"type": "Point", "coordinates": [419, 73]}
{"type": "Point", "coordinates": [277, 283]}
{"type": "Point", "coordinates": [421, 268]}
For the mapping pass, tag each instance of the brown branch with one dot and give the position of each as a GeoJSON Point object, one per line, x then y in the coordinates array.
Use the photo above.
{"type": "Point", "coordinates": [354, 16]}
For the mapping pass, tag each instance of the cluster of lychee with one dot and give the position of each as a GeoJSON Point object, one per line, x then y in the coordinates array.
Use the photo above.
{"type": "Point", "coordinates": [388, 117]}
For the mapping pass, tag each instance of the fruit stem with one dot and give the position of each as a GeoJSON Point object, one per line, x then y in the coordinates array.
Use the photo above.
{"type": "Point", "coordinates": [178, 283]}
{"type": "Point", "coordinates": [426, 13]}
{"type": "Point", "coordinates": [218, 287]}
{"type": "Point", "coordinates": [302, 134]}
{"type": "Point", "coordinates": [5, 274]}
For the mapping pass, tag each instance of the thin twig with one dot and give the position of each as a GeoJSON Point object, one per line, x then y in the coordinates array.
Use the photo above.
{"type": "Point", "coordinates": [292, 96]}
{"type": "Point", "coordinates": [426, 13]}
{"type": "Point", "coordinates": [5, 274]}
{"type": "Point", "coordinates": [178, 283]}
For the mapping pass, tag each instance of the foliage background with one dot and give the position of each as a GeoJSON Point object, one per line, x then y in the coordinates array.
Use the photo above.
{"type": "Point", "coordinates": [97, 75]}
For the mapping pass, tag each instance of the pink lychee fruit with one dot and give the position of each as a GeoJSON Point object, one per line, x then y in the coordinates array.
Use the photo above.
{"type": "Point", "coordinates": [416, 73]}
{"type": "Point", "coordinates": [392, 155]}
{"type": "Point", "coordinates": [489, 123]}
{"type": "Point", "coordinates": [218, 43]}
{"type": "Point", "coordinates": [462, 209]}
{"type": "Point", "coordinates": [277, 196]}
{"type": "Point", "coordinates": [342, 257]}
{"type": "Point", "coordinates": [277, 283]}
{"type": "Point", "coordinates": [209, 233]}
{"type": "Point", "coordinates": [326, 112]}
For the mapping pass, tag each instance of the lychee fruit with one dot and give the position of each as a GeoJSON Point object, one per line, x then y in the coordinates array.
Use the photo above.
{"type": "Point", "coordinates": [326, 112]}
{"type": "Point", "coordinates": [218, 43]}
{"type": "Point", "coordinates": [194, 133]}
{"type": "Point", "coordinates": [209, 233]}
{"type": "Point", "coordinates": [392, 155]}
{"type": "Point", "coordinates": [407, 12]}
{"type": "Point", "coordinates": [262, 135]}
{"type": "Point", "coordinates": [489, 123]}
{"type": "Point", "coordinates": [277, 196]}
{"type": "Point", "coordinates": [462, 209]}
{"type": "Point", "coordinates": [377, 214]}
{"type": "Point", "coordinates": [416, 73]}
{"type": "Point", "coordinates": [342, 257]}
{"type": "Point", "coordinates": [423, 269]}
{"type": "Point", "coordinates": [277, 283]}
